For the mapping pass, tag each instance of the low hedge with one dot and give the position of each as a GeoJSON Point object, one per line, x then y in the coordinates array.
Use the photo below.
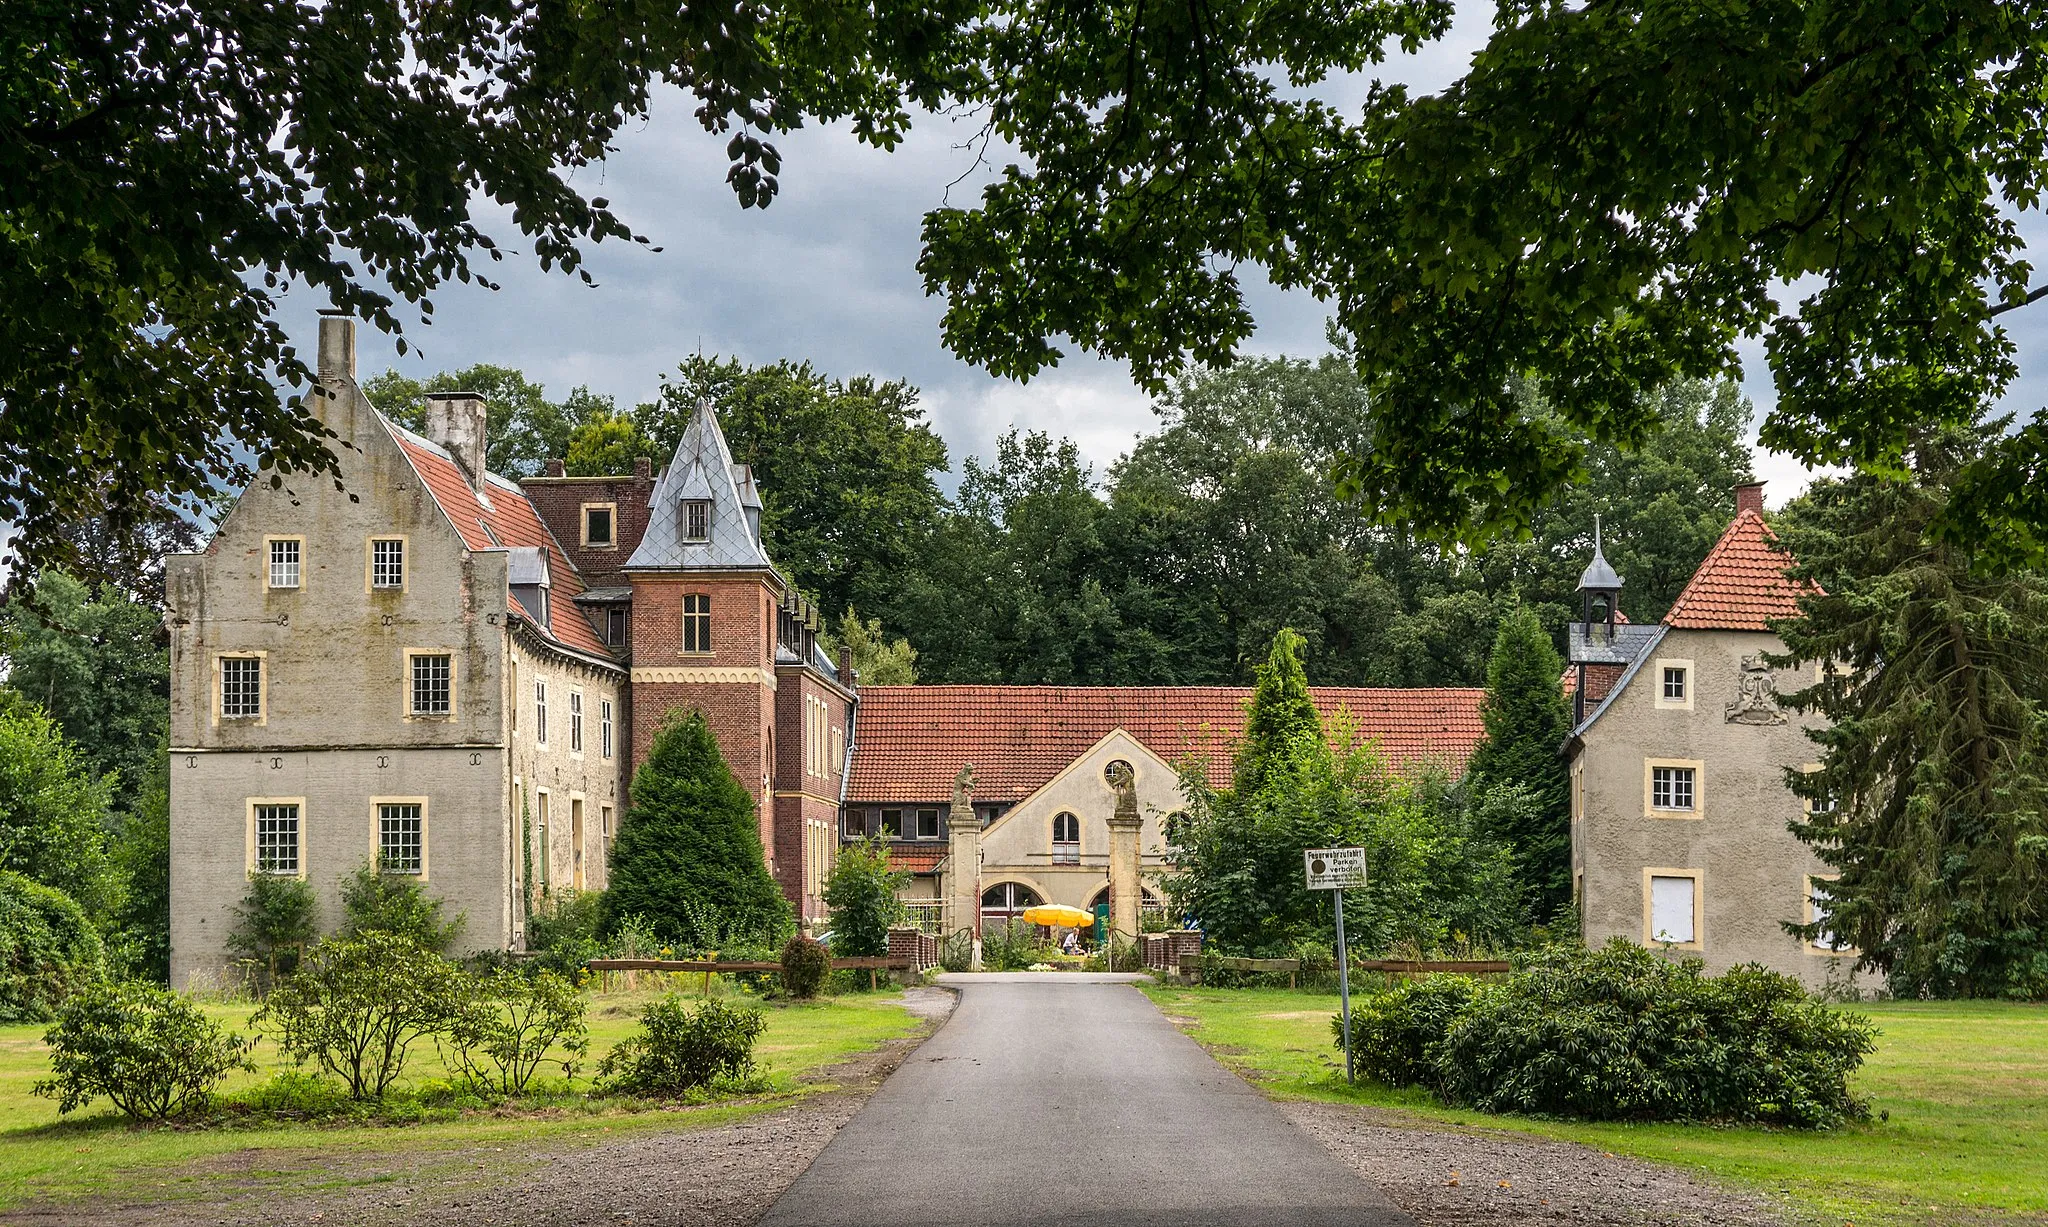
{"type": "Point", "coordinates": [1620, 1033]}
{"type": "Point", "coordinates": [48, 949]}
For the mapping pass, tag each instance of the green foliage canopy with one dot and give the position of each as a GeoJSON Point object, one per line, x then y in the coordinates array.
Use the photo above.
{"type": "Point", "coordinates": [356, 1006]}
{"type": "Point", "coordinates": [48, 949]}
{"type": "Point", "coordinates": [53, 815]}
{"type": "Point", "coordinates": [154, 1053]}
{"type": "Point", "coordinates": [862, 893]}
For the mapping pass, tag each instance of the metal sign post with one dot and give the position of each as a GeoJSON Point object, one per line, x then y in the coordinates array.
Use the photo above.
{"type": "Point", "coordinates": [1333, 869]}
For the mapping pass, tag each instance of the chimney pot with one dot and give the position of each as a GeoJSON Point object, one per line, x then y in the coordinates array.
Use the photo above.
{"type": "Point", "coordinates": [455, 420]}
{"type": "Point", "coordinates": [643, 468]}
{"type": "Point", "coordinates": [337, 345]}
{"type": "Point", "coordinates": [845, 666]}
{"type": "Point", "coordinates": [555, 468]}
{"type": "Point", "coordinates": [1749, 496]}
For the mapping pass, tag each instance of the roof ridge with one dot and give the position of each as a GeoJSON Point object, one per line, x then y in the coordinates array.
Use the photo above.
{"type": "Point", "coordinates": [1742, 583]}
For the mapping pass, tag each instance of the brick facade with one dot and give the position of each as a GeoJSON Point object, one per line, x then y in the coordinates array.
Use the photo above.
{"type": "Point", "coordinates": [560, 501]}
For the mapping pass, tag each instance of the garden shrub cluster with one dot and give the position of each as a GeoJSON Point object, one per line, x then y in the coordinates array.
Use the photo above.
{"type": "Point", "coordinates": [679, 1049]}
{"type": "Point", "coordinates": [805, 964]}
{"type": "Point", "coordinates": [153, 1052]}
{"type": "Point", "coordinates": [1620, 1033]}
{"type": "Point", "coordinates": [49, 949]}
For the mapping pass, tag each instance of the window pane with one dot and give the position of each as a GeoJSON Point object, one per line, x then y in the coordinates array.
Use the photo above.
{"type": "Point", "coordinates": [696, 520]}
{"type": "Point", "coordinates": [892, 824]}
{"type": "Point", "coordinates": [1671, 902]}
{"type": "Point", "coordinates": [431, 692]}
{"type": "Point", "coordinates": [540, 712]}
{"type": "Point", "coordinates": [597, 525]}
{"type": "Point", "coordinates": [696, 623]}
{"type": "Point", "coordinates": [1674, 684]}
{"type": "Point", "coordinates": [400, 839]}
{"type": "Point", "coordinates": [604, 726]}
{"type": "Point", "coordinates": [576, 720]}
{"type": "Point", "coordinates": [277, 839]}
{"type": "Point", "coordinates": [284, 564]}
{"type": "Point", "coordinates": [927, 824]}
{"type": "Point", "coordinates": [241, 686]}
{"type": "Point", "coordinates": [387, 564]}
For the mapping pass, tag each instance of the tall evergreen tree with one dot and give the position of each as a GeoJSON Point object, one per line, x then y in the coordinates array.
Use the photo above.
{"type": "Point", "coordinates": [1527, 721]}
{"type": "Point", "coordinates": [688, 859]}
{"type": "Point", "coordinates": [1934, 782]}
{"type": "Point", "coordinates": [1282, 727]}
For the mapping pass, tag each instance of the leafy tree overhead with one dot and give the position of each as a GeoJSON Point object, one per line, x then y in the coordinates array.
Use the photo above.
{"type": "Point", "coordinates": [688, 854]}
{"type": "Point", "coordinates": [1526, 720]}
{"type": "Point", "coordinates": [53, 812]}
{"type": "Point", "coordinates": [877, 659]}
{"type": "Point", "coordinates": [605, 444]}
{"type": "Point", "coordinates": [1935, 763]}
{"type": "Point", "coordinates": [845, 467]}
{"type": "Point", "coordinates": [96, 662]}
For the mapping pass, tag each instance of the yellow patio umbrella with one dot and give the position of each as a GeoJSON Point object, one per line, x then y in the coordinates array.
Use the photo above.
{"type": "Point", "coordinates": [1058, 914]}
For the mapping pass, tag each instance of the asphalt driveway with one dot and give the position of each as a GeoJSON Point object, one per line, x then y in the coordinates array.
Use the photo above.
{"type": "Point", "coordinates": [1057, 1099]}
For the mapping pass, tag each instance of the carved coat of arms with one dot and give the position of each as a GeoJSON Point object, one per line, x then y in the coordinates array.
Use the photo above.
{"type": "Point", "coordinates": [1756, 695]}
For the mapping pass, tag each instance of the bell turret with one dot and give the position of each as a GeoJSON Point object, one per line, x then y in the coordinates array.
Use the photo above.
{"type": "Point", "coordinates": [1599, 593]}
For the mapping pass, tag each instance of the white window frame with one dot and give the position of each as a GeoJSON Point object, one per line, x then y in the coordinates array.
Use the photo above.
{"type": "Point", "coordinates": [270, 561]}
{"type": "Point", "coordinates": [1699, 788]}
{"type": "Point", "coordinates": [251, 805]}
{"type": "Point", "coordinates": [576, 722]}
{"type": "Point", "coordinates": [583, 517]}
{"type": "Point", "coordinates": [543, 814]}
{"type": "Point", "coordinates": [1699, 908]}
{"type": "Point", "coordinates": [1814, 913]}
{"type": "Point", "coordinates": [377, 805]}
{"type": "Point", "coordinates": [691, 532]}
{"type": "Point", "coordinates": [1685, 666]}
{"type": "Point", "coordinates": [261, 716]}
{"type": "Point", "coordinates": [540, 712]}
{"type": "Point", "coordinates": [404, 544]}
{"type": "Point", "coordinates": [412, 658]}
{"type": "Point", "coordinates": [604, 728]}
{"type": "Point", "coordinates": [1806, 803]}
{"type": "Point", "coordinates": [1065, 851]}
{"type": "Point", "coordinates": [578, 833]}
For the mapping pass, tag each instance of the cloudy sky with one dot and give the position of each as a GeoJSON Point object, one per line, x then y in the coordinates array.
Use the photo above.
{"type": "Point", "coordinates": [828, 274]}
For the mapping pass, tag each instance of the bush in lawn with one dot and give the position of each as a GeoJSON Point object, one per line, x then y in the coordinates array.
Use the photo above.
{"type": "Point", "coordinates": [679, 1049]}
{"type": "Point", "coordinates": [1395, 1034]}
{"type": "Point", "coordinates": [376, 902]}
{"type": "Point", "coordinates": [509, 1023]}
{"type": "Point", "coordinates": [1621, 1033]}
{"type": "Point", "coordinates": [562, 933]}
{"type": "Point", "coordinates": [357, 1005]}
{"type": "Point", "coordinates": [151, 1051]}
{"type": "Point", "coordinates": [862, 893]}
{"type": "Point", "coordinates": [48, 949]}
{"type": "Point", "coordinates": [805, 964]}
{"type": "Point", "coordinates": [274, 923]}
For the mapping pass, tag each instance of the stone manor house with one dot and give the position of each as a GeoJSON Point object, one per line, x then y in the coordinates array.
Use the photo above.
{"type": "Point", "coordinates": [454, 676]}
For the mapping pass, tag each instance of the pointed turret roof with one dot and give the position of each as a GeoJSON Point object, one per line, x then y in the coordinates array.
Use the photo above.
{"type": "Point", "coordinates": [1599, 575]}
{"type": "Point", "coordinates": [1742, 585]}
{"type": "Point", "coordinates": [702, 470]}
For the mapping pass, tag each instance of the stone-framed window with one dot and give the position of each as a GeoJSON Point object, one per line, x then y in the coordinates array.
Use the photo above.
{"type": "Point", "coordinates": [276, 838]}
{"type": "Point", "coordinates": [1066, 839]}
{"type": "Point", "coordinates": [540, 712]}
{"type": "Point", "coordinates": [575, 722]}
{"type": "Point", "coordinates": [285, 559]}
{"type": "Point", "coordinates": [433, 684]}
{"type": "Point", "coordinates": [1674, 788]}
{"type": "Point", "coordinates": [1673, 908]}
{"type": "Point", "coordinates": [1826, 941]}
{"type": "Point", "coordinates": [600, 526]}
{"type": "Point", "coordinates": [1672, 678]}
{"type": "Point", "coordinates": [604, 727]}
{"type": "Point", "coordinates": [401, 835]}
{"type": "Point", "coordinates": [696, 622]}
{"type": "Point", "coordinates": [241, 686]}
{"type": "Point", "coordinates": [387, 564]}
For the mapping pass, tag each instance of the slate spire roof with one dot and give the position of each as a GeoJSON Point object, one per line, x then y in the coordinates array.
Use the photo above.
{"type": "Point", "coordinates": [1742, 585]}
{"type": "Point", "coordinates": [702, 470]}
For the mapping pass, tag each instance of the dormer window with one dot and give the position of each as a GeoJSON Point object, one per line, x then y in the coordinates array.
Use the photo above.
{"type": "Point", "coordinates": [697, 519]}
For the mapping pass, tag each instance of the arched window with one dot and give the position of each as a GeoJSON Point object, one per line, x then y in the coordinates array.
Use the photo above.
{"type": "Point", "coordinates": [1150, 907]}
{"type": "Point", "coordinates": [1005, 902]}
{"type": "Point", "coordinates": [1066, 839]}
{"type": "Point", "coordinates": [1175, 826]}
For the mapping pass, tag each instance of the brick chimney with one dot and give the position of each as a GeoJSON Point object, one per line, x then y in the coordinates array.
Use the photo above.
{"type": "Point", "coordinates": [846, 666]}
{"type": "Point", "coordinates": [455, 420]}
{"type": "Point", "coordinates": [1749, 496]}
{"type": "Point", "coordinates": [337, 345]}
{"type": "Point", "coordinates": [643, 469]}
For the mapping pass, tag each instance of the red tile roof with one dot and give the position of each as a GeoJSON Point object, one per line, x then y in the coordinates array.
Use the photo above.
{"type": "Point", "coordinates": [512, 522]}
{"type": "Point", "coordinates": [1742, 584]}
{"type": "Point", "coordinates": [913, 859]}
{"type": "Point", "coordinates": [911, 740]}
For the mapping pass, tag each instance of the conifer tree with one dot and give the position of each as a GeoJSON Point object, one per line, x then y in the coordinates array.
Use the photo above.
{"type": "Point", "coordinates": [1934, 777]}
{"type": "Point", "coordinates": [1281, 724]}
{"type": "Point", "coordinates": [1527, 721]}
{"type": "Point", "coordinates": [688, 859]}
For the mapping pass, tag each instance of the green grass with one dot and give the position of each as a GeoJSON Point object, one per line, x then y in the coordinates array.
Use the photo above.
{"type": "Point", "coordinates": [1964, 1084]}
{"type": "Point", "coordinates": [95, 1152]}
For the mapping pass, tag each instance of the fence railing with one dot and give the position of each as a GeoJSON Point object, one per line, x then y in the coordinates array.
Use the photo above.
{"type": "Point", "coordinates": [928, 915]}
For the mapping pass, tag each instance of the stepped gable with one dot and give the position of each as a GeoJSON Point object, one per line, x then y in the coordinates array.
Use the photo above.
{"type": "Point", "coordinates": [507, 521]}
{"type": "Point", "coordinates": [910, 740]}
{"type": "Point", "coordinates": [702, 469]}
{"type": "Point", "coordinates": [1741, 586]}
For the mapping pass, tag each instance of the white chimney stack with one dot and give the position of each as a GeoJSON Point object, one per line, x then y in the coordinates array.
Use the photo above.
{"type": "Point", "coordinates": [337, 345]}
{"type": "Point", "coordinates": [455, 420]}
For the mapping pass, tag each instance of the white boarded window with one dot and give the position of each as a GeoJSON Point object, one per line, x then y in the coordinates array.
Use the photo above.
{"type": "Point", "coordinates": [277, 839]}
{"type": "Point", "coordinates": [1672, 900]}
{"type": "Point", "coordinates": [284, 562]}
{"type": "Point", "coordinates": [1818, 903]}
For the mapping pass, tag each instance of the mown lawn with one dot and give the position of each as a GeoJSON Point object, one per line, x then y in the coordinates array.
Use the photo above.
{"type": "Point", "coordinates": [1964, 1086]}
{"type": "Point", "coordinates": [96, 1152]}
